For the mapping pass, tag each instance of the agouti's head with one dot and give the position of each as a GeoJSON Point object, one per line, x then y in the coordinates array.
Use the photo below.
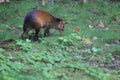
{"type": "Point", "coordinates": [60, 25]}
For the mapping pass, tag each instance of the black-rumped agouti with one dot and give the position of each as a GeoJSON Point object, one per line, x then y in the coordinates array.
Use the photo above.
{"type": "Point", "coordinates": [40, 19]}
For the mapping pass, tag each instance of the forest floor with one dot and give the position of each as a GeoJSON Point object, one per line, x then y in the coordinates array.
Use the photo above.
{"type": "Point", "coordinates": [89, 48]}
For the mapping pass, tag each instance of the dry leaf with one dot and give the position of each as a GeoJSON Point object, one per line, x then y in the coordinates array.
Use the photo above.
{"type": "Point", "coordinates": [101, 65]}
{"type": "Point", "coordinates": [95, 38]}
{"type": "Point", "coordinates": [100, 24]}
{"type": "Point", "coordinates": [106, 28]}
{"type": "Point", "coordinates": [87, 41]}
{"type": "Point", "coordinates": [90, 26]}
{"type": "Point", "coordinates": [77, 30]}
{"type": "Point", "coordinates": [106, 45]}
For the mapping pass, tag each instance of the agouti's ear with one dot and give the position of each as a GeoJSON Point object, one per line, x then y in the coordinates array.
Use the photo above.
{"type": "Point", "coordinates": [58, 19]}
{"type": "Point", "coordinates": [64, 22]}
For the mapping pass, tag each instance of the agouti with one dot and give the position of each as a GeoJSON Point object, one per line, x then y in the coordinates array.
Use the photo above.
{"type": "Point", "coordinates": [40, 19]}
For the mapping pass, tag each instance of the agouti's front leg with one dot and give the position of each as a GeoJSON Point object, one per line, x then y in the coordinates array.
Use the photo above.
{"type": "Point", "coordinates": [25, 32]}
{"type": "Point", "coordinates": [36, 34]}
{"type": "Point", "coordinates": [46, 32]}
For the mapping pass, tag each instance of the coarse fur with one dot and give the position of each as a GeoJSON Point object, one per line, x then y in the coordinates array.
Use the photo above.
{"type": "Point", "coordinates": [40, 19]}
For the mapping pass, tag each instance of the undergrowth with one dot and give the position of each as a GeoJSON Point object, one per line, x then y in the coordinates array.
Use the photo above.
{"type": "Point", "coordinates": [84, 52]}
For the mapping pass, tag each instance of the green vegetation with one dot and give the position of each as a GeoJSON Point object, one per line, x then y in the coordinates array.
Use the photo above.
{"type": "Point", "coordinates": [87, 50]}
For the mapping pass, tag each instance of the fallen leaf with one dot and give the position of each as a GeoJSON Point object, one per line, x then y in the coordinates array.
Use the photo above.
{"type": "Point", "coordinates": [106, 45]}
{"type": "Point", "coordinates": [90, 26]}
{"type": "Point", "coordinates": [35, 51]}
{"type": "Point", "coordinates": [101, 65]}
{"type": "Point", "coordinates": [100, 24]}
{"type": "Point", "coordinates": [95, 38]}
{"type": "Point", "coordinates": [87, 41]}
{"type": "Point", "coordinates": [77, 30]}
{"type": "Point", "coordinates": [106, 29]}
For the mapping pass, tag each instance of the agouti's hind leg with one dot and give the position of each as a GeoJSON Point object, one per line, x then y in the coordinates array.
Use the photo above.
{"type": "Point", "coordinates": [36, 34]}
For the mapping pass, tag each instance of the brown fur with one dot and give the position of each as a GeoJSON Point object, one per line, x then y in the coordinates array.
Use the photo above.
{"type": "Point", "coordinates": [41, 19]}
